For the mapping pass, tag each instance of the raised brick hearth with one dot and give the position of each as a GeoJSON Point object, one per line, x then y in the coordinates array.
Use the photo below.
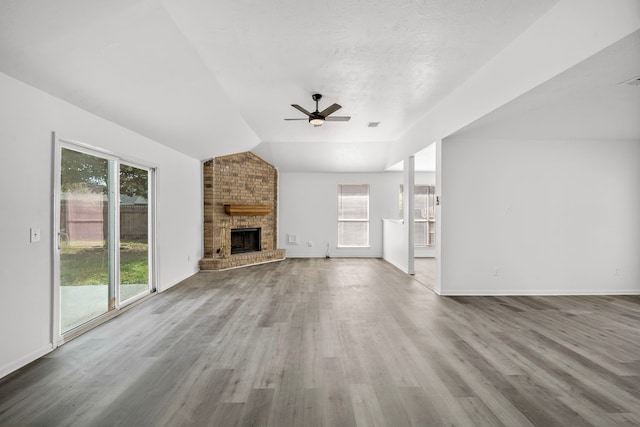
{"type": "Point", "coordinates": [238, 181]}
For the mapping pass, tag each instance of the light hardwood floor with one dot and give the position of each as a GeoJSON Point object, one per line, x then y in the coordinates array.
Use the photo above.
{"type": "Point", "coordinates": [339, 342]}
{"type": "Point", "coordinates": [425, 271]}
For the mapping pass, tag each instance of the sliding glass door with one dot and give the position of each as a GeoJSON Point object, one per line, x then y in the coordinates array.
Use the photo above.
{"type": "Point", "coordinates": [134, 232]}
{"type": "Point", "coordinates": [104, 235]}
{"type": "Point", "coordinates": [84, 238]}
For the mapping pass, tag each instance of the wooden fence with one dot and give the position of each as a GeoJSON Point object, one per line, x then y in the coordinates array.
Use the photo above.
{"type": "Point", "coordinates": [86, 221]}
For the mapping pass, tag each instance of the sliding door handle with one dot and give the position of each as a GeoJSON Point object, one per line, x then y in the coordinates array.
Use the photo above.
{"type": "Point", "coordinates": [66, 239]}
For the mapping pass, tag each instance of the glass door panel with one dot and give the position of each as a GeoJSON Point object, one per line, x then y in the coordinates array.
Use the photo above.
{"type": "Point", "coordinates": [134, 232]}
{"type": "Point", "coordinates": [84, 235]}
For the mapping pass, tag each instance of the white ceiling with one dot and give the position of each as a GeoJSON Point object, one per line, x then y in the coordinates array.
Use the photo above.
{"type": "Point", "coordinates": [384, 61]}
{"type": "Point", "coordinates": [424, 161]}
{"type": "Point", "coordinates": [211, 78]}
{"type": "Point", "coordinates": [587, 102]}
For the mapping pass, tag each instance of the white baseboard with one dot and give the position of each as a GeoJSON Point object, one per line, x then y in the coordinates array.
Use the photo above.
{"type": "Point", "coordinates": [532, 293]}
{"type": "Point", "coordinates": [397, 265]}
{"type": "Point", "coordinates": [17, 364]}
{"type": "Point", "coordinates": [171, 284]}
{"type": "Point", "coordinates": [333, 255]}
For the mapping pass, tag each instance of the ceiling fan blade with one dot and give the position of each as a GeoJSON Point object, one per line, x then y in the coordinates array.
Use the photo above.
{"type": "Point", "coordinates": [338, 119]}
{"type": "Point", "coordinates": [299, 119]}
{"type": "Point", "coordinates": [299, 108]}
{"type": "Point", "coordinates": [329, 110]}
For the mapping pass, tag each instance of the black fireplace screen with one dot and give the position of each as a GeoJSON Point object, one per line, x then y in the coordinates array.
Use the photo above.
{"type": "Point", "coordinates": [245, 240]}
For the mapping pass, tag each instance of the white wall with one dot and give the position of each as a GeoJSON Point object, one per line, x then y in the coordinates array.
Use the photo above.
{"type": "Point", "coordinates": [425, 178]}
{"type": "Point", "coordinates": [540, 217]}
{"type": "Point", "coordinates": [308, 204]}
{"type": "Point", "coordinates": [395, 248]}
{"type": "Point", "coordinates": [27, 119]}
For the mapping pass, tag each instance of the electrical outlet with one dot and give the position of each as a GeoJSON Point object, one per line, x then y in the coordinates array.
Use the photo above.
{"type": "Point", "coordinates": [310, 243]}
{"type": "Point", "coordinates": [496, 271]}
{"type": "Point", "coordinates": [35, 235]}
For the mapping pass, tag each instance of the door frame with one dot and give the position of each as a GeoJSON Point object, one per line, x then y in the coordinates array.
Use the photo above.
{"type": "Point", "coordinates": [57, 338]}
{"type": "Point", "coordinates": [151, 230]}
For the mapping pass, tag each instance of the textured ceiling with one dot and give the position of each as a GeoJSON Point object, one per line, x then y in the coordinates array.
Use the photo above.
{"type": "Point", "coordinates": [125, 61]}
{"type": "Point", "coordinates": [587, 102]}
{"type": "Point", "coordinates": [386, 61]}
{"type": "Point", "coordinates": [210, 78]}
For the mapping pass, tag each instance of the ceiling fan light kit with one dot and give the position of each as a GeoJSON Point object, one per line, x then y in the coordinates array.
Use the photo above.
{"type": "Point", "coordinates": [317, 118]}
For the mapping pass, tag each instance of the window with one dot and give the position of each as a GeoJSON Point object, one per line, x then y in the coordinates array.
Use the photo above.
{"type": "Point", "coordinates": [425, 219]}
{"type": "Point", "coordinates": [424, 214]}
{"type": "Point", "coordinates": [353, 215]}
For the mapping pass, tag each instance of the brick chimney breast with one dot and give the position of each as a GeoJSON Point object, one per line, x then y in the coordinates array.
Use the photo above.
{"type": "Point", "coordinates": [239, 180]}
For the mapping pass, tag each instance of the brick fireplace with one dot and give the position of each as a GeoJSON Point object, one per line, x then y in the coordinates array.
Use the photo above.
{"type": "Point", "coordinates": [240, 212]}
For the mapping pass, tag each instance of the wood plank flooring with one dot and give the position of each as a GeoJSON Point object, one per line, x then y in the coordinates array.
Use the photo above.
{"type": "Point", "coordinates": [425, 272]}
{"type": "Point", "coordinates": [339, 342]}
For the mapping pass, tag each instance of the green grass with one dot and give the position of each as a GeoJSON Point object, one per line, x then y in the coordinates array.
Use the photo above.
{"type": "Point", "coordinates": [89, 265]}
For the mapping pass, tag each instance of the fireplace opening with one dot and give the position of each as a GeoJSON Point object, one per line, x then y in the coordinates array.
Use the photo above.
{"type": "Point", "coordinates": [245, 240]}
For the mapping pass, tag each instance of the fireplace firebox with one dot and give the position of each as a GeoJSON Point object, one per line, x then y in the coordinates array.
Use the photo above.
{"type": "Point", "coordinates": [245, 240]}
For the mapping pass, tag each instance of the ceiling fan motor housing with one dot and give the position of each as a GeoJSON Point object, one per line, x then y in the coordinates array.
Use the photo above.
{"type": "Point", "coordinates": [316, 119]}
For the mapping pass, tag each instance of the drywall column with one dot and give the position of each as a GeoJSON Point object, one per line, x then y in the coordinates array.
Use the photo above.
{"type": "Point", "coordinates": [409, 179]}
{"type": "Point", "coordinates": [438, 284]}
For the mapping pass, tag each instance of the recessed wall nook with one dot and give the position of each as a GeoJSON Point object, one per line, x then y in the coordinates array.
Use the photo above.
{"type": "Point", "coordinates": [240, 212]}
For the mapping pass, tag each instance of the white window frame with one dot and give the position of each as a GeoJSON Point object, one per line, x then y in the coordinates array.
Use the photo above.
{"type": "Point", "coordinates": [352, 220]}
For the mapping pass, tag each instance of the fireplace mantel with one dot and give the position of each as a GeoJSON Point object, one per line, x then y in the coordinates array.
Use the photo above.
{"type": "Point", "coordinates": [235, 210]}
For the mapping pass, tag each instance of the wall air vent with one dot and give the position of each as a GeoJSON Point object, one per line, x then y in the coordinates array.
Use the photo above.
{"type": "Point", "coordinates": [373, 124]}
{"type": "Point", "coordinates": [635, 81]}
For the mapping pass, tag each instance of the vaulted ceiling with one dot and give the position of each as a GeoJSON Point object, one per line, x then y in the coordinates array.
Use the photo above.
{"type": "Point", "coordinates": [211, 78]}
{"type": "Point", "coordinates": [597, 99]}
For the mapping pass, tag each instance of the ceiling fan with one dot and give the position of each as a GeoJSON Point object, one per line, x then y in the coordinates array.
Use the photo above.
{"type": "Point", "coordinates": [317, 118]}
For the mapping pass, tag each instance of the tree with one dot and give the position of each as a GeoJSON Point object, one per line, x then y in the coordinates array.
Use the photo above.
{"type": "Point", "coordinates": [91, 173]}
{"type": "Point", "coordinates": [134, 182]}
{"type": "Point", "coordinates": [81, 170]}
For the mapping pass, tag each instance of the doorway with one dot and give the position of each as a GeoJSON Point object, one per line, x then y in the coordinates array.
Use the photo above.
{"type": "Point", "coordinates": [426, 216]}
{"type": "Point", "coordinates": [104, 236]}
